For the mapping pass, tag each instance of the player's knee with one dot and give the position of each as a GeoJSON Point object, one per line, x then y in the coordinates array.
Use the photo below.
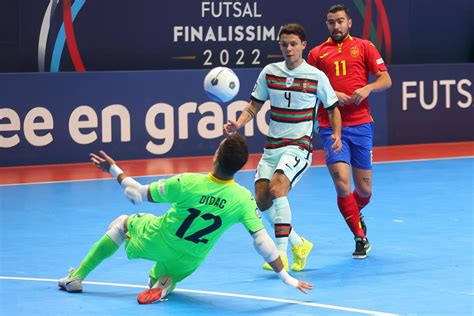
{"type": "Point", "coordinates": [263, 203]}
{"type": "Point", "coordinates": [343, 190]}
{"type": "Point", "coordinates": [278, 189]}
{"type": "Point", "coordinates": [364, 192]}
{"type": "Point", "coordinates": [117, 231]}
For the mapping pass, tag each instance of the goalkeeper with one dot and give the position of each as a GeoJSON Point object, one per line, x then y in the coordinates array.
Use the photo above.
{"type": "Point", "coordinates": [203, 208]}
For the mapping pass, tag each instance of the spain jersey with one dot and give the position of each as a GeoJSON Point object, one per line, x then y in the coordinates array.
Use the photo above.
{"type": "Point", "coordinates": [294, 96]}
{"type": "Point", "coordinates": [203, 208]}
{"type": "Point", "coordinates": [347, 66]}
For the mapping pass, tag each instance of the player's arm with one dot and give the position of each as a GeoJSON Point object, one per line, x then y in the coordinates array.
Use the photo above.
{"type": "Point", "coordinates": [267, 249]}
{"type": "Point", "coordinates": [336, 122]}
{"type": "Point", "coordinates": [133, 190]}
{"type": "Point", "coordinates": [246, 116]}
{"type": "Point", "coordinates": [382, 82]}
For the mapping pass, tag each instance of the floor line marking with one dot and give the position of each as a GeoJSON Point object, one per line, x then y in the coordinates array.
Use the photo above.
{"type": "Point", "coordinates": [246, 170]}
{"type": "Point", "coordinates": [252, 297]}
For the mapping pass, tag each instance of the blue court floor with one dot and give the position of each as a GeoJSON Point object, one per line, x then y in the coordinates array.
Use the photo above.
{"type": "Point", "coordinates": [420, 225]}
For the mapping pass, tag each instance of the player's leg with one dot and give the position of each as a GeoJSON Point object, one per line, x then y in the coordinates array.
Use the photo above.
{"type": "Point", "coordinates": [290, 169]}
{"type": "Point", "coordinates": [361, 160]}
{"type": "Point", "coordinates": [265, 204]}
{"type": "Point", "coordinates": [172, 268]}
{"type": "Point", "coordinates": [339, 169]}
{"type": "Point", "coordinates": [363, 191]}
{"type": "Point", "coordinates": [279, 187]}
{"type": "Point", "coordinates": [340, 174]}
{"type": "Point", "coordinates": [265, 169]}
{"type": "Point", "coordinates": [160, 284]}
{"type": "Point", "coordinates": [362, 164]}
{"type": "Point", "coordinates": [102, 249]}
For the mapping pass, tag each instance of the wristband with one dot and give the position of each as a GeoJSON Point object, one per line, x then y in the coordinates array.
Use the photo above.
{"type": "Point", "coordinates": [114, 170]}
{"type": "Point", "coordinates": [287, 279]}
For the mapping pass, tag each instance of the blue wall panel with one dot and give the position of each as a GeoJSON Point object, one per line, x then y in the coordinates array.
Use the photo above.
{"type": "Point", "coordinates": [167, 114]}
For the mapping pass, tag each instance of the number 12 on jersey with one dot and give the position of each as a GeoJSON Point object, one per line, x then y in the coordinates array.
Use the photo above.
{"type": "Point", "coordinates": [196, 237]}
{"type": "Point", "coordinates": [340, 65]}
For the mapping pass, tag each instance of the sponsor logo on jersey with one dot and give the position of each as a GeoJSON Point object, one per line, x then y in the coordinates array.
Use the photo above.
{"type": "Point", "coordinates": [323, 55]}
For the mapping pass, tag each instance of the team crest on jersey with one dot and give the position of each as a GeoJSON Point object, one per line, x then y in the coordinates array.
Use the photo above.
{"type": "Point", "coordinates": [305, 85]}
{"type": "Point", "coordinates": [289, 82]}
{"type": "Point", "coordinates": [354, 51]}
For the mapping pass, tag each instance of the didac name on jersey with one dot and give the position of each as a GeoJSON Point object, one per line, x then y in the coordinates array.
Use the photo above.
{"type": "Point", "coordinates": [213, 201]}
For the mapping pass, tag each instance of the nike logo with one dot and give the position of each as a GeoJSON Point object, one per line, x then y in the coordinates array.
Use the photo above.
{"type": "Point", "coordinates": [323, 55]}
{"type": "Point", "coordinates": [163, 283]}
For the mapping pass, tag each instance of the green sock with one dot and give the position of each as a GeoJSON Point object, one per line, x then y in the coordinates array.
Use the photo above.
{"type": "Point", "coordinates": [100, 251]}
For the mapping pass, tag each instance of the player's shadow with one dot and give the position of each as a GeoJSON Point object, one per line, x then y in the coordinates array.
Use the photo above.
{"type": "Point", "coordinates": [223, 305]}
{"type": "Point", "coordinates": [132, 295]}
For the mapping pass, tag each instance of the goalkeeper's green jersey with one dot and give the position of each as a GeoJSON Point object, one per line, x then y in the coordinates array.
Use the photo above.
{"type": "Point", "coordinates": [203, 208]}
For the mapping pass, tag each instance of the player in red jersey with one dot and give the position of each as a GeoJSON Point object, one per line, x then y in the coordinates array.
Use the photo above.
{"type": "Point", "coordinates": [347, 60]}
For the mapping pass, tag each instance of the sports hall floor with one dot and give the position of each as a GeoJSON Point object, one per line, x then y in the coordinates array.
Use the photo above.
{"type": "Point", "coordinates": [420, 225]}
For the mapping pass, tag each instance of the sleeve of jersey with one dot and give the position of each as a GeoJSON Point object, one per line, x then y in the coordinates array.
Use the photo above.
{"type": "Point", "coordinates": [313, 57]}
{"type": "Point", "coordinates": [374, 60]}
{"type": "Point", "coordinates": [251, 217]}
{"type": "Point", "coordinates": [166, 190]}
{"type": "Point", "coordinates": [325, 92]}
{"type": "Point", "coordinates": [260, 90]}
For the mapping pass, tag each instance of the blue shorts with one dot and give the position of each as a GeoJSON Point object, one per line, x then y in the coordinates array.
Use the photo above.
{"type": "Point", "coordinates": [357, 144]}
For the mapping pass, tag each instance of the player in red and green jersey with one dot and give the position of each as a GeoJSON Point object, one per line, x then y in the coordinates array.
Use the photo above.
{"type": "Point", "coordinates": [294, 90]}
{"type": "Point", "coordinates": [347, 61]}
{"type": "Point", "coordinates": [203, 208]}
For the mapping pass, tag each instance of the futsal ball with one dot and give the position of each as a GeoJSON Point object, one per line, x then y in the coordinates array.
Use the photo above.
{"type": "Point", "coordinates": [221, 84]}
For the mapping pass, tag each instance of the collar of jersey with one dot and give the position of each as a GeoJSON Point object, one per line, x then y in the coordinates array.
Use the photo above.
{"type": "Point", "coordinates": [220, 181]}
{"type": "Point", "coordinates": [330, 40]}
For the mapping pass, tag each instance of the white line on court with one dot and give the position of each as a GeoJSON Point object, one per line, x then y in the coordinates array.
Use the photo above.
{"type": "Point", "coordinates": [250, 297]}
{"type": "Point", "coordinates": [247, 170]}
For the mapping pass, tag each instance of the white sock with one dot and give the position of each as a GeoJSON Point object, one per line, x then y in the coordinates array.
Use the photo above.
{"type": "Point", "coordinates": [269, 215]}
{"type": "Point", "coordinates": [282, 221]}
{"type": "Point", "coordinates": [295, 239]}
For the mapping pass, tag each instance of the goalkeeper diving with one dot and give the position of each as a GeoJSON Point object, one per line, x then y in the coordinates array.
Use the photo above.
{"type": "Point", "coordinates": [203, 207]}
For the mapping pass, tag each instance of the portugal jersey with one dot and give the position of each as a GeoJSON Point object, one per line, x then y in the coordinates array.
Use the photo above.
{"type": "Point", "coordinates": [347, 65]}
{"type": "Point", "coordinates": [203, 208]}
{"type": "Point", "coordinates": [294, 95]}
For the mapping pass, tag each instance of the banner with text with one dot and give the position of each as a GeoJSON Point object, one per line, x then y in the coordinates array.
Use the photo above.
{"type": "Point", "coordinates": [62, 117]}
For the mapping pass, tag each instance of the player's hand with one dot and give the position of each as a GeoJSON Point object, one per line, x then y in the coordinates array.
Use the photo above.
{"type": "Point", "coordinates": [230, 127]}
{"type": "Point", "coordinates": [343, 98]}
{"type": "Point", "coordinates": [303, 286]}
{"type": "Point", "coordinates": [337, 144]}
{"type": "Point", "coordinates": [360, 95]}
{"type": "Point", "coordinates": [103, 162]}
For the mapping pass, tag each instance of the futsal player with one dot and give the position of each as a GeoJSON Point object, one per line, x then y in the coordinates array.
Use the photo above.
{"type": "Point", "coordinates": [203, 207]}
{"type": "Point", "coordinates": [294, 89]}
{"type": "Point", "coordinates": [347, 61]}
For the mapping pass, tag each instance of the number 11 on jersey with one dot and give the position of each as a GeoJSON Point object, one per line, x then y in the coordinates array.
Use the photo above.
{"type": "Point", "coordinates": [343, 66]}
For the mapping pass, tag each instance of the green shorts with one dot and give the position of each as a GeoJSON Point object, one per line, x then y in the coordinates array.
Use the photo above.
{"type": "Point", "coordinates": [145, 241]}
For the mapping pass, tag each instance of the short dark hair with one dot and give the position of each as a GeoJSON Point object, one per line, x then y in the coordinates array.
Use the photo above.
{"type": "Point", "coordinates": [339, 7]}
{"type": "Point", "coordinates": [293, 28]}
{"type": "Point", "coordinates": [233, 154]}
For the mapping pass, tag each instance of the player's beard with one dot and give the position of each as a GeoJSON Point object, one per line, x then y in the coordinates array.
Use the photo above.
{"type": "Point", "coordinates": [339, 36]}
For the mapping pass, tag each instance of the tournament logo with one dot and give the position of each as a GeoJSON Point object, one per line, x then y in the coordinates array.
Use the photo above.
{"type": "Point", "coordinates": [289, 82]}
{"type": "Point", "coordinates": [354, 51]}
